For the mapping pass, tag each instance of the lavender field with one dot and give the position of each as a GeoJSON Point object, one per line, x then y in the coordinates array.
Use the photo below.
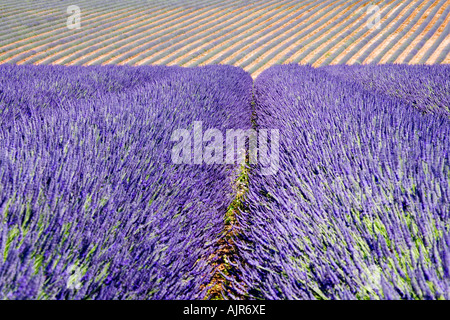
{"type": "Point", "coordinates": [87, 185]}
{"type": "Point", "coordinates": [251, 34]}
{"type": "Point", "coordinates": [92, 205]}
{"type": "Point", "coordinates": [360, 206]}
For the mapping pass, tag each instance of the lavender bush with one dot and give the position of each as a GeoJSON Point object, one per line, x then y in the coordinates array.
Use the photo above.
{"type": "Point", "coordinates": [91, 205]}
{"type": "Point", "coordinates": [426, 87]}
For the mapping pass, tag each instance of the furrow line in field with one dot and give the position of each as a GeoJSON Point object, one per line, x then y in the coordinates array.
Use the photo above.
{"type": "Point", "coordinates": [55, 37]}
{"type": "Point", "coordinates": [391, 36]}
{"type": "Point", "coordinates": [124, 37]}
{"type": "Point", "coordinates": [268, 49]}
{"type": "Point", "coordinates": [363, 37]}
{"type": "Point", "coordinates": [20, 20]}
{"type": "Point", "coordinates": [85, 60]}
{"type": "Point", "coordinates": [307, 14]}
{"type": "Point", "coordinates": [348, 39]}
{"type": "Point", "coordinates": [297, 38]}
{"type": "Point", "coordinates": [378, 38]}
{"type": "Point", "coordinates": [51, 30]}
{"type": "Point", "coordinates": [177, 39]}
{"type": "Point", "coordinates": [403, 42]}
{"type": "Point", "coordinates": [444, 57]}
{"type": "Point", "coordinates": [316, 57]}
{"type": "Point", "coordinates": [212, 47]}
{"type": "Point", "coordinates": [220, 50]}
{"type": "Point", "coordinates": [436, 39]}
{"type": "Point", "coordinates": [253, 43]}
{"type": "Point", "coordinates": [234, 25]}
{"type": "Point", "coordinates": [95, 43]}
{"type": "Point", "coordinates": [440, 51]}
{"type": "Point", "coordinates": [421, 39]}
{"type": "Point", "coordinates": [342, 20]}
{"type": "Point", "coordinates": [141, 40]}
{"type": "Point", "coordinates": [66, 50]}
{"type": "Point", "coordinates": [252, 23]}
{"type": "Point", "coordinates": [19, 10]}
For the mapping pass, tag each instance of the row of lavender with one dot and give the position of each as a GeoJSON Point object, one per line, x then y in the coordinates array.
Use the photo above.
{"type": "Point", "coordinates": [426, 87]}
{"type": "Point", "coordinates": [360, 206]}
{"type": "Point", "coordinates": [92, 207]}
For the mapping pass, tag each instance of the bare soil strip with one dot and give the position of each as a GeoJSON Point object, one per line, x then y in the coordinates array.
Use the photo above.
{"type": "Point", "coordinates": [439, 50]}
{"type": "Point", "coordinates": [41, 14]}
{"type": "Point", "coordinates": [325, 42]}
{"type": "Point", "coordinates": [196, 49]}
{"type": "Point", "coordinates": [116, 58]}
{"type": "Point", "coordinates": [226, 257]}
{"type": "Point", "coordinates": [173, 29]}
{"type": "Point", "coordinates": [447, 59]}
{"type": "Point", "coordinates": [341, 43]}
{"type": "Point", "coordinates": [232, 48]}
{"type": "Point", "coordinates": [149, 21]}
{"type": "Point", "coordinates": [19, 22]}
{"type": "Point", "coordinates": [137, 37]}
{"type": "Point", "coordinates": [314, 17]}
{"type": "Point", "coordinates": [267, 36]}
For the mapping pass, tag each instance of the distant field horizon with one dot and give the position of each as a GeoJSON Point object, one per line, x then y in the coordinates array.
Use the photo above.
{"type": "Point", "coordinates": [253, 35]}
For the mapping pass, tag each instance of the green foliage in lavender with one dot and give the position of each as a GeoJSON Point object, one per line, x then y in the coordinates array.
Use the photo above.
{"type": "Point", "coordinates": [359, 208]}
{"type": "Point", "coordinates": [91, 204]}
